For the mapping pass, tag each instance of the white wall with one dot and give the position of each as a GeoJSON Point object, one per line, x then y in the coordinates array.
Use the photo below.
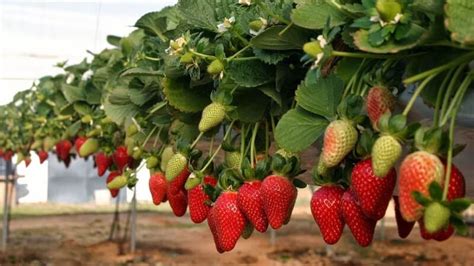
{"type": "Point", "coordinates": [38, 34]}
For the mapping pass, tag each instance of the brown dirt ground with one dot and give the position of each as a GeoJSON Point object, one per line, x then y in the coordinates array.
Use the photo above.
{"type": "Point", "coordinates": [166, 240]}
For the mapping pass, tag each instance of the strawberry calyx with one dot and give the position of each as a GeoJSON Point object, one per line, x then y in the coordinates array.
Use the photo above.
{"type": "Point", "coordinates": [288, 168]}
{"type": "Point", "coordinates": [397, 127]}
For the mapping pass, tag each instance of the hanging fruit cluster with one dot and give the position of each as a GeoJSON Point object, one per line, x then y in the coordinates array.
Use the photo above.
{"type": "Point", "coordinates": [219, 98]}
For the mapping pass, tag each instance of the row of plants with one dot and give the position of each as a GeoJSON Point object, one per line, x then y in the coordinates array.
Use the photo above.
{"type": "Point", "coordinates": [218, 99]}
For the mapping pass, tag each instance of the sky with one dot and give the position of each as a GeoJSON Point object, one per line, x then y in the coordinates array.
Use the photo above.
{"type": "Point", "coordinates": [38, 34]}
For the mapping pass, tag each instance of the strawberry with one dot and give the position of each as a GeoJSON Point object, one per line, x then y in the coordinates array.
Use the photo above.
{"type": "Point", "coordinates": [379, 102]}
{"type": "Point", "coordinates": [212, 115]}
{"type": "Point", "coordinates": [441, 235]}
{"type": "Point", "coordinates": [158, 187]}
{"type": "Point", "coordinates": [374, 193]}
{"type": "Point", "coordinates": [250, 202]}
{"type": "Point", "coordinates": [166, 156]}
{"type": "Point", "coordinates": [212, 226]}
{"type": "Point", "coordinates": [215, 67]}
{"type": "Point", "coordinates": [103, 163]}
{"type": "Point", "coordinates": [43, 156]}
{"type": "Point", "coordinates": [417, 172]}
{"type": "Point", "coordinates": [8, 155]}
{"type": "Point", "coordinates": [78, 143]}
{"type": "Point", "coordinates": [198, 201]}
{"type": "Point", "coordinates": [385, 153]}
{"type": "Point", "coordinates": [67, 162]}
{"type": "Point", "coordinates": [63, 148]}
{"type": "Point", "coordinates": [404, 227]}
{"type": "Point", "coordinates": [89, 147]}
{"type": "Point", "coordinates": [178, 182]}
{"type": "Point", "coordinates": [112, 176]}
{"type": "Point", "coordinates": [339, 139]}
{"type": "Point", "coordinates": [361, 226]}
{"type": "Point", "coordinates": [388, 9]}
{"type": "Point", "coordinates": [232, 159]}
{"type": "Point", "coordinates": [229, 220]}
{"type": "Point", "coordinates": [278, 195]}
{"type": "Point", "coordinates": [178, 202]}
{"type": "Point", "coordinates": [27, 161]}
{"type": "Point", "coordinates": [327, 212]}
{"type": "Point", "coordinates": [435, 216]}
{"type": "Point", "coordinates": [175, 166]}
{"type": "Point", "coordinates": [117, 182]}
{"type": "Point", "coordinates": [121, 158]}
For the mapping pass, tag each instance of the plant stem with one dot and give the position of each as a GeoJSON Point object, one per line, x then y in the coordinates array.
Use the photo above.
{"type": "Point", "coordinates": [242, 146]}
{"type": "Point", "coordinates": [456, 102]}
{"type": "Point", "coordinates": [252, 143]}
{"type": "Point", "coordinates": [452, 83]}
{"type": "Point", "coordinates": [152, 58]}
{"type": "Point", "coordinates": [197, 139]}
{"type": "Point", "coordinates": [267, 139]}
{"type": "Point", "coordinates": [285, 29]}
{"type": "Point", "coordinates": [245, 58]}
{"type": "Point", "coordinates": [465, 58]}
{"type": "Point", "coordinates": [270, 13]}
{"type": "Point", "coordinates": [239, 52]}
{"type": "Point", "coordinates": [436, 115]}
{"type": "Point", "coordinates": [149, 136]}
{"type": "Point", "coordinates": [463, 89]}
{"type": "Point", "coordinates": [218, 148]}
{"type": "Point", "coordinates": [211, 145]}
{"type": "Point", "coordinates": [417, 92]}
{"type": "Point", "coordinates": [205, 56]}
{"type": "Point", "coordinates": [373, 56]}
{"type": "Point", "coordinates": [155, 109]}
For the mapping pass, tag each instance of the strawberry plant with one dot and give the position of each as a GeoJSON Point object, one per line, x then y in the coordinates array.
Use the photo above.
{"type": "Point", "coordinates": [258, 82]}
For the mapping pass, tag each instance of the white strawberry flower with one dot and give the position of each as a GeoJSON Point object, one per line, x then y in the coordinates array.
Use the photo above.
{"type": "Point", "coordinates": [382, 23]}
{"type": "Point", "coordinates": [322, 42]}
{"type": "Point", "coordinates": [176, 46]}
{"type": "Point", "coordinates": [264, 26]}
{"type": "Point", "coordinates": [70, 78]}
{"type": "Point", "coordinates": [245, 2]}
{"type": "Point", "coordinates": [87, 75]}
{"type": "Point", "coordinates": [226, 25]}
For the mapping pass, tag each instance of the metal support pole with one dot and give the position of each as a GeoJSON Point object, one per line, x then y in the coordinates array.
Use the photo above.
{"type": "Point", "coordinates": [133, 228]}
{"type": "Point", "coordinates": [5, 229]}
{"type": "Point", "coordinates": [382, 229]}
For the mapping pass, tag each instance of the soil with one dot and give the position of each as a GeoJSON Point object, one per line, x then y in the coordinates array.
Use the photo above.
{"type": "Point", "coordinates": [163, 239]}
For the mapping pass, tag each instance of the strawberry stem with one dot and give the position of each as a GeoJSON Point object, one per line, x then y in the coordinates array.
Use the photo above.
{"type": "Point", "coordinates": [149, 136]}
{"type": "Point", "coordinates": [449, 91]}
{"type": "Point", "coordinates": [218, 148]}
{"type": "Point", "coordinates": [373, 56]}
{"type": "Point", "coordinates": [252, 145]}
{"type": "Point", "coordinates": [197, 140]}
{"type": "Point", "coordinates": [242, 145]}
{"type": "Point", "coordinates": [457, 100]}
{"type": "Point", "coordinates": [417, 92]}
{"type": "Point", "coordinates": [239, 52]}
{"type": "Point", "coordinates": [441, 94]}
{"type": "Point", "coordinates": [205, 56]}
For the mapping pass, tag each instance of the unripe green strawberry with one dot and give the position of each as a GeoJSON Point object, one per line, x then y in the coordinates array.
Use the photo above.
{"type": "Point", "coordinates": [385, 153]}
{"type": "Point", "coordinates": [312, 48]}
{"type": "Point", "coordinates": [339, 139]}
{"type": "Point", "coordinates": [388, 9]}
{"type": "Point", "coordinates": [256, 25]}
{"type": "Point", "coordinates": [137, 153]}
{"type": "Point", "coordinates": [86, 119]}
{"type": "Point", "coordinates": [118, 182]}
{"type": "Point", "coordinates": [417, 171]}
{"type": "Point", "coordinates": [49, 143]}
{"type": "Point", "coordinates": [131, 130]}
{"type": "Point", "coordinates": [379, 102]}
{"type": "Point", "coordinates": [436, 217]}
{"type": "Point", "coordinates": [232, 159]}
{"type": "Point", "coordinates": [186, 58]}
{"type": "Point", "coordinates": [151, 162]}
{"type": "Point", "coordinates": [215, 67]}
{"type": "Point", "coordinates": [166, 156]}
{"type": "Point", "coordinates": [322, 169]}
{"type": "Point", "coordinates": [175, 165]}
{"type": "Point", "coordinates": [212, 116]}
{"type": "Point", "coordinates": [89, 147]}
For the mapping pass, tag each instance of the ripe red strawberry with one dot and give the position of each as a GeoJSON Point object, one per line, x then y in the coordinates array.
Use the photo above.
{"type": "Point", "coordinates": [158, 187]}
{"type": "Point", "coordinates": [89, 147]}
{"type": "Point", "coordinates": [103, 163]}
{"type": "Point", "coordinates": [374, 193]}
{"type": "Point", "coordinates": [340, 138]}
{"type": "Point", "coordinates": [379, 101]}
{"type": "Point", "coordinates": [67, 162]}
{"type": "Point", "coordinates": [212, 115]}
{"type": "Point", "coordinates": [212, 226]}
{"type": "Point", "coordinates": [229, 220]}
{"type": "Point", "coordinates": [27, 161]}
{"type": "Point", "coordinates": [178, 202]}
{"type": "Point", "coordinates": [43, 156]}
{"type": "Point", "coordinates": [112, 176]}
{"type": "Point", "coordinates": [327, 212]}
{"type": "Point", "coordinates": [8, 155]}
{"type": "Point", "coordinates": [198, 201]}
{"type": "Point", "coordinates": [250, 202]}
{"type": "Point", "coordinates": [361, 226]}
{"type": "Point", "coordinates": [177, 184]}
{"type": "Point", "coordinates": [78, 143]}
{"type": "Point", "coordinates": [404, 228]}
{"type": "Point", "coordinates": [279, 196]}
{"type": "Point", "coordinates": [63, 148]}
{"type": "Point", "coordinates": [121, 158]}
{"type": "Point", "coordinates": [417, 172]}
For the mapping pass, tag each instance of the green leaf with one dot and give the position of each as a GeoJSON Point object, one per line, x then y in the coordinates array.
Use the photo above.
{"type": "Point", "coordinates": [199, 14]}
{"type": "Point", "coordinates": [420, 198]}
{"type": "Point", "coordinates": [459, 205]}
{"type": "Point", "coordinates": [298, 129]}
{"type": "Point", "coordinates": [82, 108]}
{"type": "Point", "coordinates": [251, 105]}
{"type": "Point", "coordinates": [113, 40]}
{"type": "Point", "coordinates": [271, 57]}
{"type": "Point", "coordinates": [140, 72]}
{"type": "Point", "coordinates": [120, 113]}
{"type": "Point", "coordinates": [428, 6]}
{"type": "Point", "coordinates": [459, 20]}
{"type": "Point", "coordinates": [119, 96]}
{"type": "Point", "coordinates": [158, 23]}
{"type": "Point", "coordinates": [313, 14]}
{"type": "Point", "coordinates": [320, 95]}
{"type": "Point", "coordinates": [93, 95]}
{"type": "Point", "coordinates": [73, 93]}
{"type": "Point", "coordinates": [271, 39]}
{"type": "Point", "coordinates": [184, 98]}
{"type": "Point", "coordinates": [436, 192]}
{"type": "Point", "coordinates": [271, 92]}
{"type": "Point", "coordinates": [361, 40]}
{"type": "Point", "coordinates": [299, 183]}
{"type": "Point", "coordinates": [250, 73]}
